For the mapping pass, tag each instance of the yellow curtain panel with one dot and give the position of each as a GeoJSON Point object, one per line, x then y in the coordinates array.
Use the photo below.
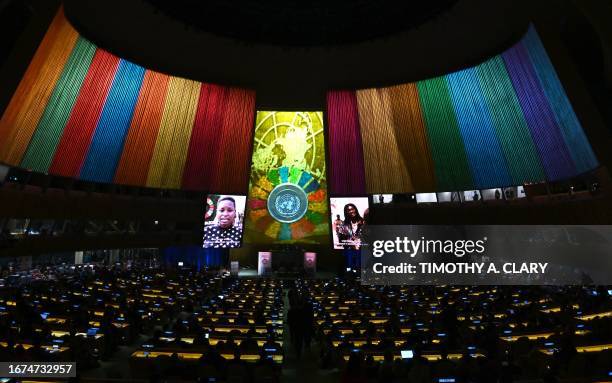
{"type": "Point", "coordinates": [411, 135]}
{"type": "Point", "coordinates": [386, 170]}
{"type": "Point", "coordinates": [174, 132]}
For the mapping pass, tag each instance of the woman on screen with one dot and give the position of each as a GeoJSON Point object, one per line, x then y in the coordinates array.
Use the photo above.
{"type": "Point", "coordinates": [224, 234]}
{"type": "Point", "coordinates": [350, 231]}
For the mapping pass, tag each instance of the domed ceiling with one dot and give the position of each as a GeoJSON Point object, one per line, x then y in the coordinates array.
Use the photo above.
{"type": "Point", "coordinates": [295, 23]}
{"type": "Point", "coordinates": [291, 53]}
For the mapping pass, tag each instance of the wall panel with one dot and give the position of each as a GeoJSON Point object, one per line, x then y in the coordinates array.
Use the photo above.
{"type": "Point", "coordinates": [504, 122]}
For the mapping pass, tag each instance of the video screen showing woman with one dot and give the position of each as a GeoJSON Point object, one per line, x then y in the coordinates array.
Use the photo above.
{"type": "Point", "coordinates": [223, 221]}
{"type": "Point", "coordinates": [348, 221]}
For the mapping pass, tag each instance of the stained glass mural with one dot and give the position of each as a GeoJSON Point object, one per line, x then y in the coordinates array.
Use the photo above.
{"type": "Point", "coordinates": [288, 189]}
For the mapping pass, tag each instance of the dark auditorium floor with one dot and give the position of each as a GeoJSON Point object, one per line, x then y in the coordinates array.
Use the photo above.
{"type": "Point", "coordinates": [542, 334]}
{"type": "Point", "coordinates": [117, 367]}
{"type": "Point", "coordinates": [306, 369]}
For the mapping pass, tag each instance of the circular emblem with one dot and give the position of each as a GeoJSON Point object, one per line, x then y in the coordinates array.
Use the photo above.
{"type": "Point", "coordinates": [287, 203]}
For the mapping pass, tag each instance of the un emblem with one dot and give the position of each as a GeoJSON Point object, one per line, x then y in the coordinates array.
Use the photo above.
{"type": "Point", "coordinates": [287, 203]}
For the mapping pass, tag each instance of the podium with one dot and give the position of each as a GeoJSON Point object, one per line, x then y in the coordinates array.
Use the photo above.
{"type": "Point", "coordinates": [264, 263]}
{"type": "Point", "coordinates": [234, 268]}
{"type": "Point", "coordinates": [310, 263]}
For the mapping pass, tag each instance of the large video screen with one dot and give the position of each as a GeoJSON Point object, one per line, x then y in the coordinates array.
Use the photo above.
{"type": "Point", "coordinates": [348, 218]}
{"type": "Point", "coordinates": [288, 187]}
{"type": "Point", "coordinates": [223, 221]}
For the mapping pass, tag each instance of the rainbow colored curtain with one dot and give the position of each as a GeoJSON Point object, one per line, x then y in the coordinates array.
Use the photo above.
{"type": "Point", "coordinates": [504, 122]}
{"type": "Point", "coordinates": [82, 112]}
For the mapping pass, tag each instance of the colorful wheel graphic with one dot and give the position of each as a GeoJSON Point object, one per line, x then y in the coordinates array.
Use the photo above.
{"type": "Point", "coordinates": [287, 204]}
{"type": "Point", "coordinates": [210, 209]}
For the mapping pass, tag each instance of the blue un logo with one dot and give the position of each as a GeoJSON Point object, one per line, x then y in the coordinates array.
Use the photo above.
{"type": "Point", "coordinates": [287, 203]}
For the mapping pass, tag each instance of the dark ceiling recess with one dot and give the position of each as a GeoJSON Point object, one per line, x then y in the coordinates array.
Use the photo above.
{"type": "Point", "coordinates": [14, 16]}
{"type": "Point", "coordinates": [303, 23]}
{"type": "Point", "coordinates": [297, 77]}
